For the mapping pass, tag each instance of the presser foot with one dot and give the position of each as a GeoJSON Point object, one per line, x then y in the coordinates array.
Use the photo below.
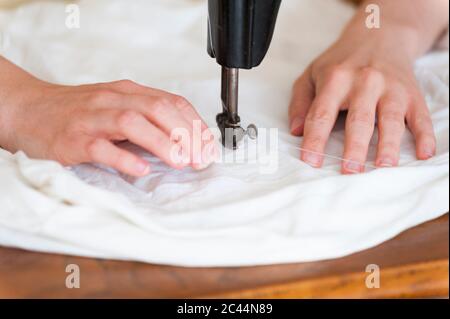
{"type": "Point", "coordinates": [233, 133]}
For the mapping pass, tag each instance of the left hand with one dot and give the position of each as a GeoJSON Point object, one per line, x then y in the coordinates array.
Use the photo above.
{"type": "Point", "coordinates": [371, 77]}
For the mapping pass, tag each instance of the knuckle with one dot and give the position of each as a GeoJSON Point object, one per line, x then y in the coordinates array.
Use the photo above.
{"type": "Point", "coordinates": [338, 73]}
{"type": "Point", "coordinates": [74, 128]}
{"type": "Point", "coordinates": [120, 159]}
{"type": "Point", "coordinates": [314, 142]}
{"type": "Point", "coordinates": [161, 143]}
{"type": "Point", "coordinates": [392, 106]}
{"type": "Point", "coordinates": [429, 139]}
{"type": "Point", "coordinates": [397, 104]}
{"type": "Point", "coordinates": [389, 146]}
{"type": "Point", "coordinates": [419, 119]}
{"type": "Point", "coordinates": [362, 118]}
{"type": "Point", "coordinates": [422, 121]}
{"type": "Point", "coordinates": [411, 99]}
{"type": "Point", "coordinates": [181, 102]}
{"type": "Point", "coordinates": [125, 84]}
{"type": "Point", "coordinates": [126, 118]}
{"type": "Point", "coordinates": [399, 93]}
{"type": "Point", "coordinates": [93, 147]}
{"type": "Point", "coordinates": [104, 97]}
{"type": "Point", "coordinates": [320, 115]}
{"type": "Point", "coordinates": [160, 105]}
{"type": "Point", "coordinates": [371, 75]}
{"type": "Point", "coordinates": [392, 115]}
{"type": "Point", "coordinates": [412, 92]}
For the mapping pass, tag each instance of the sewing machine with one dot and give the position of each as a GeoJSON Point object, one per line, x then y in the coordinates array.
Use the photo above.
{"type": "Point", "coordinates": [240, 32]}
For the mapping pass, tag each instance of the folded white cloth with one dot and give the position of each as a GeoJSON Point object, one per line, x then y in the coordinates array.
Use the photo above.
{"type": "Point", "coordinates": [230, 214]}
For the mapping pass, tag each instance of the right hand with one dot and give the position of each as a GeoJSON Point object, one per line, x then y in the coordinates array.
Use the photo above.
{"type": "Point", "coordinates": [82, 124]}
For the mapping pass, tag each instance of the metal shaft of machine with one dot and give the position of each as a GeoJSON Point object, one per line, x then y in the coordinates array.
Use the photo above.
{"type": "Point", "coordinates": [230, 93]}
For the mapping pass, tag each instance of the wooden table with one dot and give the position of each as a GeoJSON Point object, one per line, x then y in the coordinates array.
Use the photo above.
{"type": "Point", "coordinates": [415, 264]}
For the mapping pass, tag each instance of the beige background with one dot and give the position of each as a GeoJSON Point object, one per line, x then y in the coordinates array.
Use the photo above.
{"type": "Point", "coordinates": [10, 4]}
{"type": "Point", "coordinates": [14, 3]}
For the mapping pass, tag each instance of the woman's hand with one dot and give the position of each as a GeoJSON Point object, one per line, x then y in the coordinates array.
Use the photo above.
{"type": "Point", "coordinates": [370, 74]}
{"type": "Point", "coordinates": [81, 124]}
{"type": "Point", "coordinates": [361, 79]}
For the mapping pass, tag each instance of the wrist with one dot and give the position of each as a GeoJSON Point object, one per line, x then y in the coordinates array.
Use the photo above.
{"type": "Point", "coordinates": [393, 41]}
{"type": "Point", "coordinates": [7, 121]}
{"type": "Point", "coordinates": [410, 27]}
{"type": "Point", "coordinates": [6, 128]}
{"type": "Point", "coordinates": [17, 89]}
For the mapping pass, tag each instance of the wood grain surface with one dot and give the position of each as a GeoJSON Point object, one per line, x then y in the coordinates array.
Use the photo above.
{"type": "Point", "coordinates": [415, 264]}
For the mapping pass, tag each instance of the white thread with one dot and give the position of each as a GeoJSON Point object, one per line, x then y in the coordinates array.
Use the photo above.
{"type": "Point", "coordinates": [333, 157]}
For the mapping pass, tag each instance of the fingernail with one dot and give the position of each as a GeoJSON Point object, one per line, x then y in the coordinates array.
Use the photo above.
{"type": "Point", "coordinates": [210, 154]}
{"type": "Point", "coordinates": [179, 156]}
{"type": "Point", "coordinates": [312, 159]}
{"type": "Point", "coordinates": [296, 125]}
{"type": "Point", "coordinates": [201, 166]}
{"type": "Point", "coordinates": [204, 159]}
{"type": "Point", "coordinates": [142, 168]}
{"type": "Point", "coordinates": [429, 152]}
{"type": "Point", "coordinates": [185, 156]}
{"type": "Point", "coordinates": [386, 162]}
{"type": "Point", "coordinates": [214, 153]}
{"type": "Point", "coordinates": [353, 167]}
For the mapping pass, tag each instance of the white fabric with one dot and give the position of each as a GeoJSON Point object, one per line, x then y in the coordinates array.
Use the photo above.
{"type": "Point", "coordinates": [229, 214]}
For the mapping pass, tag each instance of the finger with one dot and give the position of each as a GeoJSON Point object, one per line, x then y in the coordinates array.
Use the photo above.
{"type": "Point", "coordinates": [189, 112]}
{"type": "Point", "coordinates": [360, 123]}
{"type": "Point", "coordinates": [163, 112]}
{"type": "Point", "coordinates": [134, 127]}
{"type": "Point", "coordinates": [208, 145]}
{"type": "Point", "coordinates": [203, 146]}
{"type": "Point", "coordinates": [420, 123]}
{"type": "Point", "coordinates": [322, 117]}
{"type": "Point", "coordinates": [102, 151]}
{"type": "Point", "coordinates": [391, 128]}
{"type": "Point", "coordinates": [130, 87]}
{"type": "Point", "coordinates": [302, 97]}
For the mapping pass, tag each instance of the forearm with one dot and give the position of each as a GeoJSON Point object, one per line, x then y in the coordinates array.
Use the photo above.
{"type": "Point", "coordinates": [15, 85]}
{"type": "Point", "coordinates": [5, 109]}
{"type": "Point", "coordinates": [412, 26]}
